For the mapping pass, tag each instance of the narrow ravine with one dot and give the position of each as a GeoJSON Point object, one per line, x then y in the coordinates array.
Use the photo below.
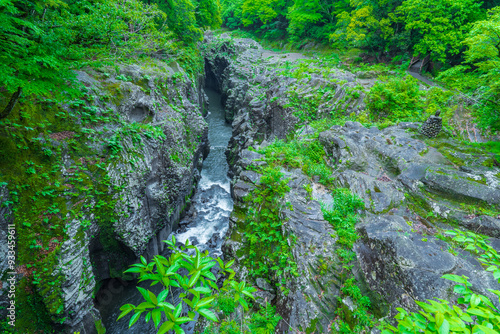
{"type": "Point", "coordinates": [205, 224]}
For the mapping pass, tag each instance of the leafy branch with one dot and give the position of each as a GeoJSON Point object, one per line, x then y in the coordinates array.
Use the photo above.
{"type": "Point", "coordinates": [198, 287]}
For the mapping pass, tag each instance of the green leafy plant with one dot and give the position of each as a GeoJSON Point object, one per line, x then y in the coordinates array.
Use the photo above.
{"type": "Point", "coordinates": [342, 214]}
{"type": "Point", "coordinates": [395, 98]}
{"type": "Point", "coordinates": [472, 312]}
{"type": "Point", "coordinates": [269, 245]}
{"type": "Point", "coordinates": [198, 287]}
{"type": "Point", "coordinates": [265, 320]}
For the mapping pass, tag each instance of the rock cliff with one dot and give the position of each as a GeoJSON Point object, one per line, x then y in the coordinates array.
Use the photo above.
{"type": "Point", "coordinates": [412, 187]}
{"type": "Point", "coordinates": [148, 147]}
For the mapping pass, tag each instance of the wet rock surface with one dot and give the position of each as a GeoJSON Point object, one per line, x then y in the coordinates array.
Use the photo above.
{"type": "Point", "coordinates": [155, 179]}
{"type": "Point", "coordinates": [404, 181]}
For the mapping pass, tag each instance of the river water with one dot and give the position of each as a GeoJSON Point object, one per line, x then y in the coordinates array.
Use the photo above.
{"type": "Point", "coordinates": [206, 228]}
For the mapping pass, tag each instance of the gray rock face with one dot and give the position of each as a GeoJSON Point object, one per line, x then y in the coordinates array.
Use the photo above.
{"type": "Point", "coordinates": [408, 188]}
{"type": "Point", "coordinates": [257, 93]}
{"type": "Point", "coordinates": [404, 267]}
{"type": "Point", "coordinates": [313, 292]}
{"type": "Point", "coordinates": [402, 181]}
{"type": "Point", "coordinates": [155, 178]}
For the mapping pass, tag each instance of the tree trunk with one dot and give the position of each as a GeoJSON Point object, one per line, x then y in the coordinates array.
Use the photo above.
{"type": "Point", "coordinates": [11, 104]}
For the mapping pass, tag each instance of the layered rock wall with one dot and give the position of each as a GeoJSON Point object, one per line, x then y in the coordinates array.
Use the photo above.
{"type": "Point", "coordinates": [412, 188]}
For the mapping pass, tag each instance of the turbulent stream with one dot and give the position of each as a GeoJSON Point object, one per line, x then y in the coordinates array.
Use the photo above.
{"type": "Point", "coordinates": [205, 228]}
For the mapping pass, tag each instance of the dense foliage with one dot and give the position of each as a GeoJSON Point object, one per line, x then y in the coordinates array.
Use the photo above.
{"type": "Point", "coordinates": [198, 287]}
{"type": "Point", "coordinates": [42, 41]}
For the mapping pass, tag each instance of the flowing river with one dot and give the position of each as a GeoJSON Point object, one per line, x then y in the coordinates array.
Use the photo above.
{"type": "Point", "coordinates": [206, 228]}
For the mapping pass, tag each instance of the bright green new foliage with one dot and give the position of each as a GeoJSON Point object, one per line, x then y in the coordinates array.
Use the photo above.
{"type": "Point", "coordinates": [208, 14]}
{"type": "Point", "coordinates": [395, 98]}
{"type": "Point", "coordinates": [198, 287]}
{"type": "Point", "coordinates": [270, 253]}
{"type": "Point", "coordinates": [474, 313]}
{"type": "Point", "coordinates": [441, 25]}
{"type": "Point", "coordinates": [478, 75]}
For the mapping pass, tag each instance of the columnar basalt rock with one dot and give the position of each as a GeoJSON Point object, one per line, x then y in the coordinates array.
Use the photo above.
{"type": "Point", "coordinates": [401, 180]}
{"type": "Point", "coordinates": [152, 173]}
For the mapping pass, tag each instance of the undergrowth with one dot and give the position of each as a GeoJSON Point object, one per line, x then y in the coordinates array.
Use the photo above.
{"type": "Point", "coordinates": [307, 155]}
{"type": "Point", "coordinates": [269, 244]}
{"type": "Point", "coordinates": [343, 215]}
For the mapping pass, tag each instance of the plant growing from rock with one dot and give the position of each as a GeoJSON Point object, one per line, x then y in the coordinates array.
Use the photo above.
{"type": "Point", "coordinates": [473, 312]}
{"type": "Point", "coordinates": [198, 286]}
{"type": "Point", "coordinates": [342, 214]}
{"type": "Point", "coordinates": [269, 245]}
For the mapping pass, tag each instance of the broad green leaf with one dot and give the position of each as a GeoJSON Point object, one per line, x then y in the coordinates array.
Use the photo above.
{"type": "Point", "coordinates": [162, 295]}
{"type": "Point", "coordinates": [167, 305]}
{"type": "Point", "coordinates": [439, 319]}
{"type": "Point", "coordinates": [144, 305]}
{"type": "Point", "coordinates": [444, 328]}
{"type": "Point", "coordinates": [197, 259]}
{"type": "Point", "coordinates": [455, 278]}
{"type": "Point", "coordinates": [144, 293]}
{"type": "Point", "coordinates": [194, 278]}
{"type": "Point", "coordinates": [475, 300]}
{"type": "Point", "coordinates": [178, 310]}
{"type": "Point", "coordinates": [208, 314]}
{"type": "Point", "coordinates": [182, 320]}
{"type": "Point", "coordinates": [156, 317]}
{"type": "Point", "coordinates": [209, 275]}
{"type": "Point", "coordinates": [478, 312]}
{"type": "Point", "coordinates": [124, 313]}
{"type": "Point", "coordinates": [203, 289]}
{"type": "Point", "coordinates": [134, 270]}
{"type": "Point", "coordinates": [247, 293]}
{"type": "Point", "coordinates": [134, 319]}
{"type": "Point", "coordinates": [205, 301]}
{"type": "Point", "coordinates": [229, 264]}
{"type": "Point", "coordinates": [244, 304]}
{"type": "Point", "coordinates": [165, 327]}
{"type": "Point", "coordinates": [485, 329]}
{"type": "Point", "coordinates": [178, 330]}
{"type": "Point", "coordinates": [152, 297]}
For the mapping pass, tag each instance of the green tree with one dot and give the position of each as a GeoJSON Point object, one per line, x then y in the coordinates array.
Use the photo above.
{"type": "Point", "coordinates": [478, 75]}
{"type": "Point", "coordinates": [440, 26]}
{"type": "Point", "coordinates": [181, 19]}
{"type": "Point", "coordinates": [366, 23]}
{"type": "Point", "coordinates": [32, 60]}
{"type": "Point", "coordinates": [208, 14]}
{"type": "Point", "coordinates": [261, 11]}
{"type": "Point", "coordinates": [303, 14]}
{"type": "Point", "coordinates": [232, 13]}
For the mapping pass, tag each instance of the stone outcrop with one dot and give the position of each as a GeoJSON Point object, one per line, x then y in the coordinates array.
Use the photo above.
{"type": "Point", "coordinates": [408, 188]}
{"type": "Point", "coordinates": [411, 187]}
{"type": "Point", "coordinates": [257, 103]}
{"type": "Point", "coordinates": [153, 152]}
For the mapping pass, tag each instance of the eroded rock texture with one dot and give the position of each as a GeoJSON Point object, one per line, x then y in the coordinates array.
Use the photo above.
{"type": "Point", "coordinates": [152, 153]}
{"type": "Point", "coordinates": [410, 185]}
